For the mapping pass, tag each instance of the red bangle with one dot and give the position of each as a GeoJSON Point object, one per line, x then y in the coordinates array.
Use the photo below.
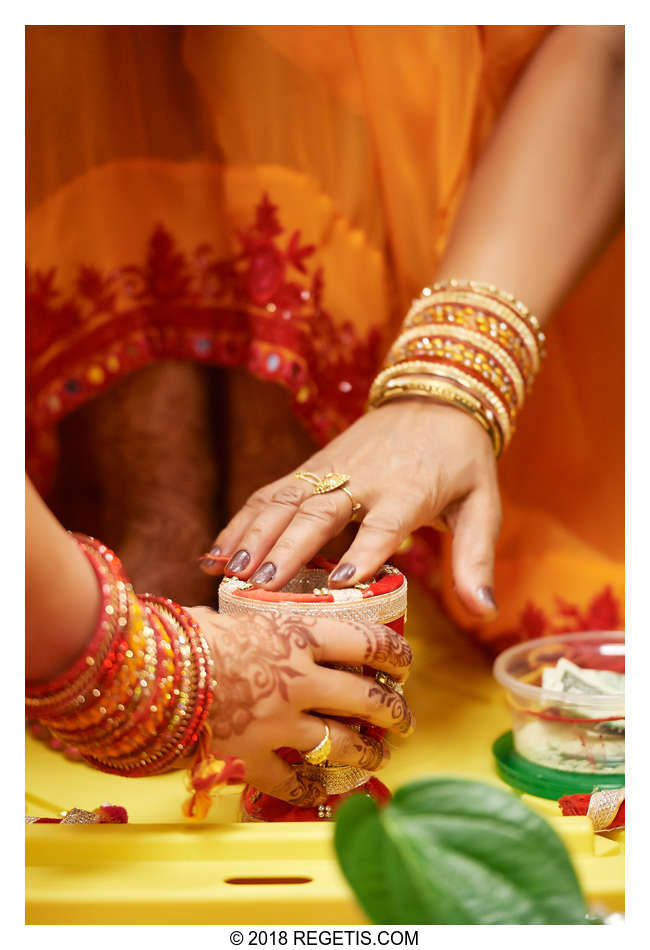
{"type": "Point", "coordinates": [138, 698]}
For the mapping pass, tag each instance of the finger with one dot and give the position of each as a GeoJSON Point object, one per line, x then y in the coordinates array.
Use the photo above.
{"type": "Point", "coordinates": [339, 693]}
{"type": "Point", "coordinates": [316, 521]}
{"type": "Point", "coordinates": [275, 777]}
{"type": "Point", "coordinates": [265, 529]}
{"type": "Point", "coordinates": [354, 643]}
{"type": "Point", "coordinates": [349, 747]}
{"type": "Point", "coordinates": [379, 536]}
{"type": "Point", "coordinates": [475, 531]}
{"type": "Point", "coordinates": [226, 544]}
{"type": "Point", "coordinates": [213, 562]}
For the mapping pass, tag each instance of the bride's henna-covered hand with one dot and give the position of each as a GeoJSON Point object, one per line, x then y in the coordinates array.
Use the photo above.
{"type": "Point", "coordinates": [271, 680]}
{"type": "Point", "coordinates": [411, 463]}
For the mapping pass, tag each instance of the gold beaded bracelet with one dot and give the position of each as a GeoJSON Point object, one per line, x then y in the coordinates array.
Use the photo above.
{"type": "Point", "coordinates": [514, 336]}
{"type": "Point", "coordinates": [483, 290]}
{"type": "Point", "coordinates": [438, 308]}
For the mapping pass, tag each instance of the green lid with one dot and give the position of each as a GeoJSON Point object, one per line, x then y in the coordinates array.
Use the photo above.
{"type": "Point", "coordinates": [527, 776]}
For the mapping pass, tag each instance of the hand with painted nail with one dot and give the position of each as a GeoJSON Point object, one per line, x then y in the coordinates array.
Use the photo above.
{"type": "Point", "coordinates": [411, 463]}
{"type": "Point", "coordinates": [272, 692]}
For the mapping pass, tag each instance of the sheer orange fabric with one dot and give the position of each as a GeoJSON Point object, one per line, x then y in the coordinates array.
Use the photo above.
{"type": "Point", "coordinates": [272, 198]}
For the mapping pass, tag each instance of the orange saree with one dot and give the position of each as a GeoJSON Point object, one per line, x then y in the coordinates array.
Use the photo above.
{"type": "Point", "coordinates": [271, 198]}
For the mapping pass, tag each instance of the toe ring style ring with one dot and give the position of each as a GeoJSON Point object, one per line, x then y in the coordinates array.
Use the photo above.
{"type": "Point", "coordinates": [321, 752]}
{"type": "Point", "coordinates": [330, 482]}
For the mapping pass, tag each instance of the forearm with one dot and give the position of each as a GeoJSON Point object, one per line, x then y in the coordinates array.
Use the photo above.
{"type": "Point", "coordinates": [62, 594]}
{"type": "Point", "coordinates": [549, 187]}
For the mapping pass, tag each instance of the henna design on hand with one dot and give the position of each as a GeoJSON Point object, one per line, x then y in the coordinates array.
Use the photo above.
{"type": "Point", "coordinates": [251, 662]}
{"type": "Point", "coordinates": [309, 792]}
{"type": "Point", "coordinates": [371, 753]}
{"type": "Point", "coordinates": [396, 705]}
{"type": "Point", "coordinates": [383, 644]}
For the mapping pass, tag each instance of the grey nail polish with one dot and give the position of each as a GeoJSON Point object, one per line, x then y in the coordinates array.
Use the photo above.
{"type": "Point", "coordinates": [264, 574]}
{"type": "Point", "coordinates": [238, 562]}
{"type": "Point", "coordinates": [486, 597]}
{"type": "Point", "coordinates": [342, 573]}
{"type": "Point", "coordinates": [215, 551]}
{"type": "Point", "coordinates": [207, 561]}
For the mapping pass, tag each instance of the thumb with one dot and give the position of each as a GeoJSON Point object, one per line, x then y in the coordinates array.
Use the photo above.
{"type": "Point", "coordinates": [475, 534]}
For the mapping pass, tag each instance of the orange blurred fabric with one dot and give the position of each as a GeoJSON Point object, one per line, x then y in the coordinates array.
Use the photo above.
{"type": "Point", "coordinates": [272, 198]}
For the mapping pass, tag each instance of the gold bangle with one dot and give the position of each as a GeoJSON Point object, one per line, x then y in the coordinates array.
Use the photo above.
{"type": "Point", "coordinates": [491, 291]}
{"type": "Point", "coordinates": [482, 321]}
{"type": "Point", "coordinates": [455, 376]}
{"type": "Point", "coordinates": [524, 322]}
{"type": "Point", "coordinates": [428, 391]}
{"type": "Point", "coordinates": [446, 392]}
{"type": "Point", "coordinates": [533, 340]}
{"type": "Point", "coordinates": [409, 367]}
{"type": "Point", "coordinates": [454, 354]}
{"type": "Point", "coordinates": [471, 337]}
{"type": "Point", "coordinates": [486, 395]}
{"type": "Point", "coordinates": [478, 331]}
{"type": "Point", "coordinates": [438, 388]}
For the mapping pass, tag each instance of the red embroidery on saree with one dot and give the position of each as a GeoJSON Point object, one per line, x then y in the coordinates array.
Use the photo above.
{"type": "Point", "coordinates": [261, 309]}
{"type": "Point", "coordinates": [602, 613]}
{"type": "Point", "coordinates": [419, 558]}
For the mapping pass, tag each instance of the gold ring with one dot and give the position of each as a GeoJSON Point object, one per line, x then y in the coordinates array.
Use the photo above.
{"type": "Point", "coordinates": [321, 752]}
{"type": "Point", "coordinates": [330, 482]}
{"type": "Point", "coordinates": [388, 681]}
{"type": "Point", "coordinates": [356, 505]}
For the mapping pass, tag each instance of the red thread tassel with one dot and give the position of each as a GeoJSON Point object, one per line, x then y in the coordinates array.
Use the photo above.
{"type": "Point", "coordinates": [207, 775]}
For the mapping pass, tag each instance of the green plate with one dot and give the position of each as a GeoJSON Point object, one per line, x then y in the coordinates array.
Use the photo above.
{"type": "Point", "coordinates": [527, 776]}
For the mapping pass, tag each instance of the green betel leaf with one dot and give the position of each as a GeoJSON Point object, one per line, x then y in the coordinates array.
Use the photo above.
{"type": "Point", "coordinates": [452, 851]}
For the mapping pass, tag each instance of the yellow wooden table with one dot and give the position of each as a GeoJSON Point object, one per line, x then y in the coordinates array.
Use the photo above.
{"type": "Point", "coordinates": [159, 869]}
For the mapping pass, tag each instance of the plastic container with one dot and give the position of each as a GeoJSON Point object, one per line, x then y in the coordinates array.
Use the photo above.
{"type": "Point", "coordinates": [526, 776]}
{"type": "Point", "coordinates": [566, 730]}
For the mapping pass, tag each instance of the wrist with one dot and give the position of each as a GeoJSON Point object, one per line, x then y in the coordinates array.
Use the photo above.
{"type": "Point", "coordinates": [434, 412]}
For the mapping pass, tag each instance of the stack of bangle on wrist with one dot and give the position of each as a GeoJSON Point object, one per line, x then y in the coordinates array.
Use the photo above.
{"type": "Point", "coordinates": [137, 698]}
{"type": "Point", "coordinates": [136, 702]}
{"type": "Point", "coordinates": [469, 345]}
